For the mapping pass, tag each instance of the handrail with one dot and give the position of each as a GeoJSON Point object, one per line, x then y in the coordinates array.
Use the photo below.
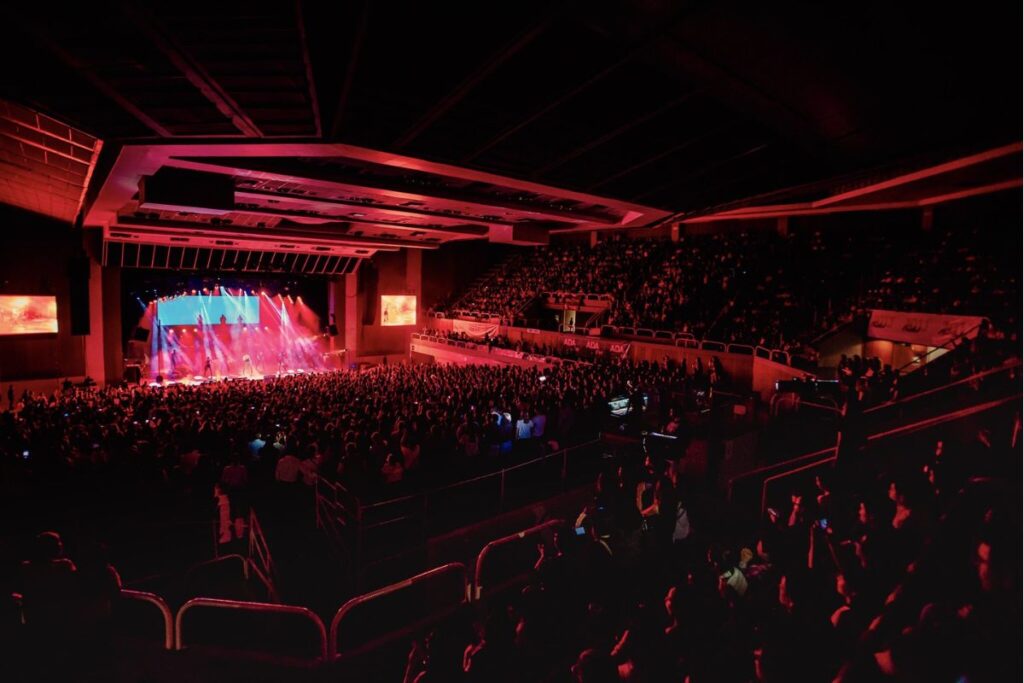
{"type": "Point", "coordinates": [678, 339]}
{"type": "Point", "coordinates": [265, 607]}
{"type": "Point", "coordinates": [260, 550]}
{"type": "Point", "coordinates": [944, 345]}
{"type": "Point", "coordinates": [18, 600]}
{"type": "Point", "coordinates": [964, 380]}
{"type": "Point", "coordinates": [519, 535]}
{"type": "Point", "coordinates": [352, 603]}
{"type": "Point", "coordinates": [822, 406]}
{"type": "Point", "coordinates": [907, 399]}
{"type": "Point", "coordinates": [160, 604]}
{"type": "Point", "coordinates": [217, 560]}
{"type": "Point", "coordinates": [784, 463]}
{"type": "Point", "coordinates": [471, 480]}
{"type": "Point", "coordinates": [909, 428]}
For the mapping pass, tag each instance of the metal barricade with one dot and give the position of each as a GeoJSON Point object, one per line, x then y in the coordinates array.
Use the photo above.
{"type": "Point", "coordinates": [481, 558]}
{"type": "Point", "coordinates": [457, 568]}
{"type": "Point", "coordinates": [258, 607]}
{"type": "Point", "coordinates": [161, 605]}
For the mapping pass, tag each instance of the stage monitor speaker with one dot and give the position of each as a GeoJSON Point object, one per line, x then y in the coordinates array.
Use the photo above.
{"type": "Point", "coordinates": [333, 329]}
{"type": "Point", "coordinates": [133, 374]}
{"type": "Point", "coordinates": [78, 276]}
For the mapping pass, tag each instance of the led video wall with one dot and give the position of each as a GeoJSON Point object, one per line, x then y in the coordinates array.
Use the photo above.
{"type": "Point", "coordinates": [397, 309]}
{"type": "Point", "coordinates": [209, 310]}
{"type": "Point", "coordinates": [28, 315]}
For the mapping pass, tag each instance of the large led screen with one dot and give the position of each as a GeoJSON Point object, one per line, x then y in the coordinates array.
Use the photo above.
{"type": "Point", "coordinates": [208, 310]}
{"type": "Point", "coordinates": [28, 315]}
{"type": "Point", "coordinates": [397, 309]}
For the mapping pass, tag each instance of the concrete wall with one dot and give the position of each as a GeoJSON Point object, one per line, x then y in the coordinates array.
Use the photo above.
{"type": "Point", "coordinates": [35, 259]}
{"type": "Point", "coordinates": [422, 351]}
{"type": "Point", "coordinates": [387, 273]}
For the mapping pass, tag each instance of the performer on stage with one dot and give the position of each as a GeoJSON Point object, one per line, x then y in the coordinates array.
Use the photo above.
{"type": "Point", "coordinates": [247, 368]}
{"type": "Point", "coordinates": [208, 368]}
{"type": "Point", "coordinates": [281, 363]}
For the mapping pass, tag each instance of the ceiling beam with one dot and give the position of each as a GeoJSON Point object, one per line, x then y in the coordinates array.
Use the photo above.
{"type": "Point", "coordinates": [505, 53]}
{"type": "Point", "coordinates": [547, 108]}
{"type": "Point", "coordinates": [323, 233]}
{"type": "Point", "coordinates": [744, 95]}
{"type": "Point", "coordinates": [350, 69]}
{"type": "Point", "coordinates": [314, 103]}
{"type": "Point", "coordinates": [193, 71]}
{"type": "Point", "coordinates": [285, 170]}
{"type": "Point", "coordinates": [612, 134]}
{"type": "Point", "coordinates": [703, 170]}
{"type": "Point", "coordinates": [466, 231]}
{"type": "Point", "coordinates": [940, 169]}
{"type": "Point", "coordinates": [647, 37]}
{"type": "Point", "coordinates": [674, 149]}
{"type": "Point", "coordinates": [98, 82]}
{"type": "Point", "coordinates": [816, 209]}
{"type": "Point", "coordinates": [306, 219]}
{"type": "Point", "coordinates": [459, 226]}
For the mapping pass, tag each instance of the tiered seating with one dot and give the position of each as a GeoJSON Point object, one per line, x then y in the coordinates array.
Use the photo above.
{"type": "Point", "coordinates": [575, 268]}
{"type": "Point", "coordinates": [762, 289]}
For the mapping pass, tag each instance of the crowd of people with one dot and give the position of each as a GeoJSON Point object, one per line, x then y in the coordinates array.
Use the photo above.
{"type": "Point", "coordinates": [607, 268]}
{"type": "Point", "coordinates": [368, 429]}
{"type": "Point", "coordinates": [763, 288]}
{"type": "Point", "coordinates": [901, 569]}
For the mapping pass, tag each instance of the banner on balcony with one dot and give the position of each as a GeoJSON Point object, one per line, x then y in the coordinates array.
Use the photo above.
{"type": "Point", "coordinates": [474, 330]}
{"type": "Point", "coordinates": [618, 348]}
{"type": "Point", "coordinates": [926, 329]}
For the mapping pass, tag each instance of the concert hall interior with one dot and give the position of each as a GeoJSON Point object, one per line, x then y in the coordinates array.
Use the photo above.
{"type": "Point", "coordinates": [510, 342]}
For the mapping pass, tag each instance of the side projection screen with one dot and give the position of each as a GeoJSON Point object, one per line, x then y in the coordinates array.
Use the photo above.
{"type": "Point", "coordinates": [397, 310]}
{"type": "Point", "coordinates": [28, 315]}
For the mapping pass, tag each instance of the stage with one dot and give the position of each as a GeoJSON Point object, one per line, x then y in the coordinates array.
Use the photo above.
{"type": "Point", "coordinates": [196, 380]}
{"type": "Point", "coordinates": [224, 334]}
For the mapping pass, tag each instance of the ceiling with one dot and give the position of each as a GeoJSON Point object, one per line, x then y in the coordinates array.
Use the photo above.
{"type": "Point", "coordinates": [322, 198]}
{"type": "Point", "coordinates": [973, 175]}
{"type": "Point", "coordinates": [45, 165]}
{"type": "Point", "coordinates": [682, 106]}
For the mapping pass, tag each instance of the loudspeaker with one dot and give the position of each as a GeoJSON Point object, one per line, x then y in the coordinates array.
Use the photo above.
{"type": "Point", "coordinates": [133, 374]}
{"type": "Point", "coordinates": [333, 329]}
{"type": "Point", "coordinates": [173, 189]}
{"type": "Point", "coordinates": [141, 334]}
{"type": "Point", "coordinates": [78, 277]}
